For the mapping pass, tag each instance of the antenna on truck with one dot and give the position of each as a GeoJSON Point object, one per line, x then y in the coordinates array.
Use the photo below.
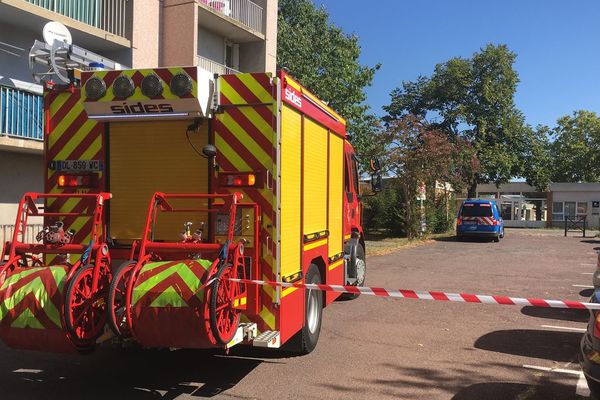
{"type": "Point", "coordinates": [59, 56]}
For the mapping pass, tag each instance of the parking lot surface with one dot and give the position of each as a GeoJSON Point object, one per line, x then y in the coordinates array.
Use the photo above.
{"type": "Point", "coordinates": [375, 348]}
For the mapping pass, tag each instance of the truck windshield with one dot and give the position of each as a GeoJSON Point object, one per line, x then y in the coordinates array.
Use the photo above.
{"type": "Point", "coordinates": [476, 210]}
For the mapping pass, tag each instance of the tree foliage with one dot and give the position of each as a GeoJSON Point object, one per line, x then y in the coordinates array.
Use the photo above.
{"type": "Point", "coordinates": [537, 157]}
{"type": "Point", "coordinates": [575, 150]}
{"type": "Point", "coordinates": [472, 99]}
{"type": "Point", "coordinates": [417, 155]}
{"type": "Point", "coordinates": [326, 59]}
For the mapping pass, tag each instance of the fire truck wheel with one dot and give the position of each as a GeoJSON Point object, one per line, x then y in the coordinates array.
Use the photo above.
{"type": "Point", "coordinates": [85, 311]}
{"type": "Point", "coordinates": [116, 299]}
{"type": "Point", "coordinates": [224, 319]}
{"type": "Point", "coordinates": [361, 273]}
{"type": "Point", "coordinates": [309, 335]}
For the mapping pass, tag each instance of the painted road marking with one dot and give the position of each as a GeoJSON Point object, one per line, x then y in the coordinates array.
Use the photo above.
{"type": "Point", "coordinates": [566, 328]}
{"type": "Point", "coordinates": [588, 265]}
{"type": "Point", "coordinates": [583, 286]}
{"type": "Point", "coordinates": [582, 386]}
{"type": "Point", "coordinates": [581, 389]}
{"type": "Point", "coordinates": [28, 371]}
{"type": "Point", "coordinates": [557, 370]}
{"type": "Point", "coordinates": [587, 273]}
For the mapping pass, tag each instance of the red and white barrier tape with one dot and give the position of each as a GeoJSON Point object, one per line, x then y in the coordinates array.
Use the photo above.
{"type": "Point", "coordinates": [440, 296]}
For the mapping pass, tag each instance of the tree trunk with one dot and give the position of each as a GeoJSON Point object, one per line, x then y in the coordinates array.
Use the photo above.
{"type": "Point", "coordinates": [472, 193]}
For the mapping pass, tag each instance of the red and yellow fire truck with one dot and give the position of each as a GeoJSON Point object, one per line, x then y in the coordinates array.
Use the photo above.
{"type": "Point", "coordinates": [165, 190]}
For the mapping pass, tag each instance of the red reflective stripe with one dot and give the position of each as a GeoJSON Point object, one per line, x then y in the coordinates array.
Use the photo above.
{"type": "Point", "coordinates": [503, 300]}
{"type": "Point", "coordinates": [574, 304]}
{"type": "Point", "coordinates": [538, 302]}
{"type": "Point", "coordinates": [352, 289]}
{"type": "Point", "coordinates": [439, 296]}
{"type": "Point", "coordinates": [409, 294]}
{"type": "Point", "coordinates": [470, 298]}
{"type": "Point", "coordinates": [380, 291]}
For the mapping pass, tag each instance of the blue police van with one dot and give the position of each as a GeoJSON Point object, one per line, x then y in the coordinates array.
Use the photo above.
{"type": "Point", "coordinates": [479, 218]}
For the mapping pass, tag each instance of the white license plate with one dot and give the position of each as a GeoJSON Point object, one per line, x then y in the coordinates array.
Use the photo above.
{"type": "Point", "coordinates": [78, 165]}
{"type": "Point", "coordinates": [470, 222]}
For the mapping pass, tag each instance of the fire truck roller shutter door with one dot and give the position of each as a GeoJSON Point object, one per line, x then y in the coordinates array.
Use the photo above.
{"type": "Point", "coordinates": [150, 156]}
{"type": "Point", "coordinates": [290, 191]}
{"type": "Point", "coordinates": [336, 192]}
{"type": "Point", "coordinates": [314, 177]}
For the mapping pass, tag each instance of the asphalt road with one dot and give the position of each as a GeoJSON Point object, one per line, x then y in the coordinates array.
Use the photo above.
{"type": "Point", "coordinates": [374, 348]}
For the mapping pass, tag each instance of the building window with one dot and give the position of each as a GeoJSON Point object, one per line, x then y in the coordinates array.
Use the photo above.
{"type": "Point", "coordinates": [581, 208]}
{"type": "Point", "coordinates": [557, 211]}
{"type": "Point", "coordinates": [571, 209]}
{"type": "Point", "coordinates": [232, 55]}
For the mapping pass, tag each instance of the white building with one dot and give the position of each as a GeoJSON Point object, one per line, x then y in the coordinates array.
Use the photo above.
{"type": "Point", "coordinates": [521, 205]}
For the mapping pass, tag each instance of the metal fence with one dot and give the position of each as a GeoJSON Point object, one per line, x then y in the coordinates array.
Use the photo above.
{"type": "Point", "coordinates": [215, 67]}
{"type": "Point", "coordinates": [108, 15]}
{"type": "Point", "coordinates": [6, 233]}
{"type": "Point", "coordinates": [244, 11]}
{"type": "Point", "coordinates": [21, 114]}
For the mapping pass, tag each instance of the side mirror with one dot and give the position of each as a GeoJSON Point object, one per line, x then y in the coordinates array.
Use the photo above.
{"type": "Point", "coordinates": [376, 183]}
{"type": "Point", "coordinates": [375, 165]}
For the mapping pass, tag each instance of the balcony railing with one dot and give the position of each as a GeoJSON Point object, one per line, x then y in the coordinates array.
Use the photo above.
{"type": "Point", "coordinates": [21, 114]}
{"type": "Point", "coordinates": [6, 234]}
{"type": "Point", "coordinates": [215, 67]}
{"type": "Point", "coordinates": [244, 11]}
{"type": "Point", "coordinates": [108, 15]}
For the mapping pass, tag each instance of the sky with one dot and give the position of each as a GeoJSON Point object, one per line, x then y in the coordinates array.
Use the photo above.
{"type": "Point", "coordinates": [557, 43]}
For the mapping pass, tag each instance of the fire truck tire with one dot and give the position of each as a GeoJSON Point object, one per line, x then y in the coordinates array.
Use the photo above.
{"type": "Point", "coordinates": [117, 293]}
{"type": "Point", "coordinates": [313, 312]}
{"type": "Point", "coordinates": [361, 272]}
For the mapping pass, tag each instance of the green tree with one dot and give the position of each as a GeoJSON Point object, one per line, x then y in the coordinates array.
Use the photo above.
{"type": "Point", "coordinates": [326, 59]}
{"type": "Point", "coordinates": [537, 161]}
{"type": "Point", "coordinates": [575, 150]}
{"type": "Point", "coordinates": [472, 99]}
{"type": "Point", "coordinates": [418, 155]}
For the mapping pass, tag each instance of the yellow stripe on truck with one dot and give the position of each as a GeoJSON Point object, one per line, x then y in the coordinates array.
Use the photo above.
{"type": "Point", "coordinates": [336, 264]}
{"type": "Point", "coordinates": [314, 245]}
{"type": "Point", "coordinates": [287, 291]}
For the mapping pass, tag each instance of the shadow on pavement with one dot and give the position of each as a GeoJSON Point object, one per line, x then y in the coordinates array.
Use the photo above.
{"type": "Point", "coordinates": [591, 241]}
{"type": "Point", "coordinates": [586, 293]}
{"type": "Point", "coordinates": [445, 239]}
{"type": "Point", "coordinates": [472, 239]}
{"type": "Point", "coordinates": [463, 381]}
{"type": "Point", "coordinates": [120, 374]}
{"type": "Point", "coordinates": [548, 345]}
{"type": "Point", "coordinates": [561, 314]}
{"type": "Point", "coordinates": [503, 391]}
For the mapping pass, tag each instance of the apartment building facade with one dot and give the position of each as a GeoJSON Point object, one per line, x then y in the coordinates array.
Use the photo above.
{"type": "Point", "coordinates": [222, 36]}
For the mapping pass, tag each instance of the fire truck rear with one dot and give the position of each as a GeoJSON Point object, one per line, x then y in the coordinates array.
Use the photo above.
{"type": "Point", "coordinates": [199, 183]}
